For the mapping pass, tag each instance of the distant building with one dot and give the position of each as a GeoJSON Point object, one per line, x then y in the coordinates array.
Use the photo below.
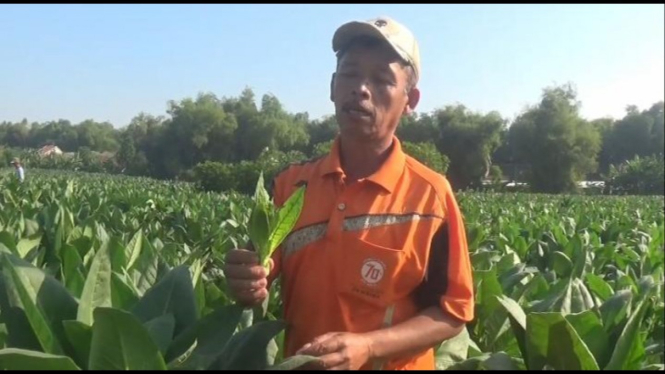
{"type": "Point", "coordinates": [49, 150]}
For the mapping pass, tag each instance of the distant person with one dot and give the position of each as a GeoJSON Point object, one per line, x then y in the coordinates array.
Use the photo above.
{"type": "Point", "coordinates": [376, 272]}
{"type": "Point", "coordinates": [20, 173]}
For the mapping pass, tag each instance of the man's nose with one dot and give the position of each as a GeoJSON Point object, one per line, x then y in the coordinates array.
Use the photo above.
{"type": "Point", "coordinates": [361, 90]}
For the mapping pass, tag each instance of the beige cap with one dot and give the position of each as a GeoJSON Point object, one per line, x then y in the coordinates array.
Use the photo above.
{"type": "Point", "coordinates": [385, 28]}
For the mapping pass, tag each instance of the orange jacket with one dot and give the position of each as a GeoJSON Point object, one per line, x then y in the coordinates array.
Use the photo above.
{"type": "Point", "coordinates": [371, 254]}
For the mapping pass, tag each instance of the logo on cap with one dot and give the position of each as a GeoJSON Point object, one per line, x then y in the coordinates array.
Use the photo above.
{"type": "Point", "coordinates": [380, 23]}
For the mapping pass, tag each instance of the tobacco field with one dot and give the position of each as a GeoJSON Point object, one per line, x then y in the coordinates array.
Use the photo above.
{"type": "Point", "coordinates": [110, 272]}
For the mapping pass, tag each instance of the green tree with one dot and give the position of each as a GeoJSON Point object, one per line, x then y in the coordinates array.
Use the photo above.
{"type": "Point", "coordinates": [427, 154]}
{"type": "Point", "coordinates": [559, 146]}
{"type": "Point", "coordinates": [97, 136]}
{"type": "Point", "coordinates": [604, 126]}
{"type": "Point", "coordinates": [198, 130]}
{"type": "Point", "coordinates": [638, 176]}
{"type": "Point", "coordinates": [321, 131]}
{"type": "Point", "coordinates": [418, 129]}
{"type": "Point", "coordinates": [468, 139]}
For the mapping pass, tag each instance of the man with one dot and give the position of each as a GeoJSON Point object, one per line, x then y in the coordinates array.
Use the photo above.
{"type": "Point", "coordinates": [20, 173]}
{"type": "Point", "coordinates": [376, 272]}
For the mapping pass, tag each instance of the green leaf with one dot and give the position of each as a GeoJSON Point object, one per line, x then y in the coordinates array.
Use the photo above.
{"type": "Point", "coordinates": [134, 248]}
{"type": "Point", "coordinates": [212, 333]}
{"type": "Point", "coordinates": [614, 309]}
{"type": "Point", "coordinates": [487, 304]}
{"type": "Point", "coordinates": [161, 331]}
{"type": "Point", "coordinates": [534, 289]}
{"type": "Point", "coordinates": [246, 350]}
{"type": "Point", "coordinates": [487, 361]}
{"type": "Point", "coordinates": [452, 350]}
{"type": "Point", "coordinates": [629, 350]}
{"type": "Point", "coordinates": [599, 287]}
{"type": "Point", "coordinates": [517, 322]}
{"type": "Point", "coordinates": [83, 246]}
{"type": "Point", "coordinates": [21, 359]}
{"type": "Point", "coordinates": [199, 293]}
{"type": "Point", "coordinates": [293, 362]}
{"type": "Point", "coordinates": [43, 300]}
{"type": "Point", "coordinates": [19, 333]}
{"type": "Point", "coordinates": [474, 350]}
{"type": "Point", "coordinates": [580, 257]}
{"type": "Point", "coordinates": [646, 286]}
{"type": "Point", "coordinates": [288, 216]}
{"type": "Point", "coordinates": [80, 337]}
{"type": "Point", "coordinates": [562, 264]}
{"type": "Point", "coordinates": [259, 230]}
{"type": "Point", "coordinates": [120, 342]}
{"type": "Point", "coordinates": [8, 240]}
{"type": "Point", "coordinates": [31, 227]}
{"type": "Point", "coordinates": [559, 299]}
{"type": "Point", "coordinates": [122, 294]}
{"type": "Point", "coordinates": [590, 329]}
{"type": "Point", "coordinates": [3, 331]}
{"type": "Point", "coordinates": [117, 254]}
{"type": "Point", "coordinates": [272, 350]}
{"type": "Point", "coordinates": [261, 195]}
{"type": "Point", "coordinates": [517, 281]}
{"type": "Point", "coordinates": [580, 297]}
{"type": "Point", "coordinates": [553, 341]}
{"type": "Point", "coordinates": [26, 245]}
{"type": "Point", "coordinates": [146, 269]}
{"type": "Point", "coordinates": [97, 288]}
{"type": "Point", "coordinates": [210, 328]}
{"type": "Point", "coordinates": [71, 269]}
{"type": "Point", "coordinates": [501, 361]}
{"type": "Point", "coordinates": [173, 294]}
{"type": "Point", "coordinates": [482, 260]}
{"type": "Point", "coordinates": [489, 291]}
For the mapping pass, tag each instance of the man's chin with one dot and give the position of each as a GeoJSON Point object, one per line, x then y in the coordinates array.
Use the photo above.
{"type": "Point", "coordinates": [358, 125]}
{"type": "Point", "coordinates": [358, 133]}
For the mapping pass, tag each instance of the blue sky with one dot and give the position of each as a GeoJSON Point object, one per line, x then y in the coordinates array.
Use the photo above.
{"type": "Point", "coordinates": [110, 62]}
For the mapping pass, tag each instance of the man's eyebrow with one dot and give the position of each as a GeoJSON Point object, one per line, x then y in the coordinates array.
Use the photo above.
{"type": "Point", "coordinates": [348, 64]}
{"type": "Point", "coordinates": [384, 70]}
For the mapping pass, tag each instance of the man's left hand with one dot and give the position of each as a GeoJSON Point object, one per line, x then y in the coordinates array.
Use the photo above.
{"type": "Point", "coordinates": [339, 351]}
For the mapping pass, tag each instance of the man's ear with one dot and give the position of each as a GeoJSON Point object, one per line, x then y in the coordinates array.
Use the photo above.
{"type": "Point", "coordinates": [332, 85]}
{"type": "Point", "coordinates": [412, 101]}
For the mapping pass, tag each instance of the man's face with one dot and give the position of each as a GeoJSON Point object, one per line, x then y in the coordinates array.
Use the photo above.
{"type": "Point", "coordinates": [369, 92]}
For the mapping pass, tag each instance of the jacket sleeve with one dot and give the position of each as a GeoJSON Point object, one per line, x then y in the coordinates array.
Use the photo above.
{"type": "Point", "coordinates": [448, 281]}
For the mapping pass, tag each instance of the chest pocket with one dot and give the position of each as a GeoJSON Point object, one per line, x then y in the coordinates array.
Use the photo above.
{"type": "Point", "coordinates": [375, 275]}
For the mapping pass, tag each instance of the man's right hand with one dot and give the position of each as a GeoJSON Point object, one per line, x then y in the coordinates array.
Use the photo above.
{"type": "Point", "coordinates": [246, 278]}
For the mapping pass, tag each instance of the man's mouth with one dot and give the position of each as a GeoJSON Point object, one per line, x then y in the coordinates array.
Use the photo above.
{"type": "Point", "coordinates": [356, 110]}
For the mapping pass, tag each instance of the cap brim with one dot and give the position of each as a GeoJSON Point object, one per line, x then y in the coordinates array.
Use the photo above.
{"type": "Point", "coordinates": [355, 29]}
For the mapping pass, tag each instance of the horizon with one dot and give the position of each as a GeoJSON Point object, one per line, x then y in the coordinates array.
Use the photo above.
{"type": "Point", "coordinates": [108, 63]}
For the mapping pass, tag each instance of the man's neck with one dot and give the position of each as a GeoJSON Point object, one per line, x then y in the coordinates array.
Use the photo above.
{"type": "Point", "coordinates": [361, 159]}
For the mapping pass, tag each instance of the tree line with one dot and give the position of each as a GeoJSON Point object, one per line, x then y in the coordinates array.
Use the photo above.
{"type": "Point", "coordinates": [549, 145]}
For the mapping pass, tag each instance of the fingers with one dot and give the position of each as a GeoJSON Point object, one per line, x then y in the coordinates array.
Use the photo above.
{"type": "Point", "coordinates": [247, 272]}
{"type": "Point", "coordinates": [251, 298]}
{"type": "Point", "coordinates": [331, 361]}
{"type": "Point", "coordinates": [321, 345]}
{"type": "Point", "coordinates": [246, 279]}
{"type": "Point", "coordinates": [244, 292]}
{"type": "Point", "coordinates": [246, 285]}
{"type": "Point", "coordinates": [241, 257]}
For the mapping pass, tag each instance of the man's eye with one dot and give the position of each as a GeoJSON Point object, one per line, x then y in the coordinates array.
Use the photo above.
{"type": "Point", "coordinates": [384, 81]}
